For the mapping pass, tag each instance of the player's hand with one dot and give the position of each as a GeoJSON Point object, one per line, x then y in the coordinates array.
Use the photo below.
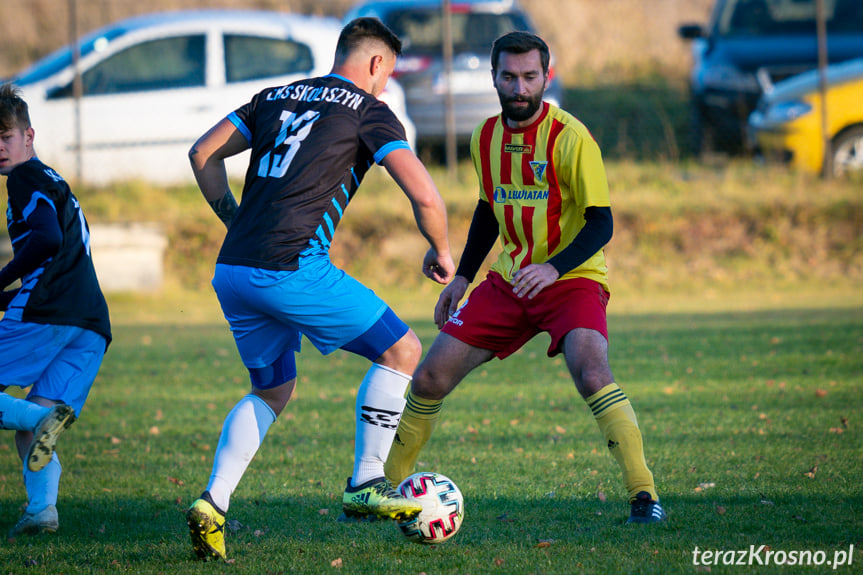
{"type": "Point", "coordinates": [531, 280]}
{"type": "Point", "coordinates": [447, 303]}
{"type": "Point", "coordinates": [439, 268]}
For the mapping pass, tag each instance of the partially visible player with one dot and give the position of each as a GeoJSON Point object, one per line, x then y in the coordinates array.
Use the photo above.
{"type": "Point", "coordinates": [543, 190]}
{"type": "Point", "coordinates": [55, 328]}
{"type": "Point", "coordinates": [312, 143]}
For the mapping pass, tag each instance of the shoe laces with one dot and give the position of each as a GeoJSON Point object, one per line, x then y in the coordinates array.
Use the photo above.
{"type": "Point", "coordinates": [385, 489]}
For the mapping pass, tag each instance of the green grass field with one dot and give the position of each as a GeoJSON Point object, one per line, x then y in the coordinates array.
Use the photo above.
{"type": "Point", "coordinates": [752, 426]}
{"type": "Point", "coordinates": [737, 331]}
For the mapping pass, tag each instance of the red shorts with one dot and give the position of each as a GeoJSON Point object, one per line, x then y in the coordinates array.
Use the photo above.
{"type": "Point", "coordinates": [494, 318]}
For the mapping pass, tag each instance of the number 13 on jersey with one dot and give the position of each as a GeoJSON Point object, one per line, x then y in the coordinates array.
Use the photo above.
{"type": "Point", "coordinates": [298, 127]}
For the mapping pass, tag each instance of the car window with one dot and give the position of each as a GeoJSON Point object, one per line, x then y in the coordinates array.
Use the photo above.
{"type": "Point", "coordinates": [254, 57]}
{"type": "Point", "coordinates": [63, 58]}
{"type": "Point", "coordinates": [421, 31]}
{"type": "Point", "coordinates": [780, 17]}
{"type": "Point", "coordinates": [166, 63]}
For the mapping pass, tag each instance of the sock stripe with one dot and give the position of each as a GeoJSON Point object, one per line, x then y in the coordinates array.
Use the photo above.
{"type": "Point", "coordinates": [423, 407]}
{"type": "Point", "coordinates": [617, 402]}
{"type": "Point", "coordinates": [603, 404]}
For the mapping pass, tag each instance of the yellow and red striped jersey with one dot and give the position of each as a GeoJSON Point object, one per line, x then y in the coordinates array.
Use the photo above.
{"type": "Point", "coordinates": [539, 180]}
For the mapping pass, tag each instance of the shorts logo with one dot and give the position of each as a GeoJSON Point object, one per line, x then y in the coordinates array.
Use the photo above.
{"type": "Point", "coordinates": [454, 317]}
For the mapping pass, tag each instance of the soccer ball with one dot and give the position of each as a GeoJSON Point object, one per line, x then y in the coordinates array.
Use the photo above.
{"type": "Point", "coordinates": [443, 508]}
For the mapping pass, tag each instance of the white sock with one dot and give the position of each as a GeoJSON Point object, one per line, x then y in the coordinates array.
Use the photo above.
{"type": "Point", "coordinates": [20, 414]}
{"type": "Point", "coordinates": [380, 402]}
{"type": "Point", "coordinates": [42, 486]}
{"type": "Point", "coordinates": [242, 433]}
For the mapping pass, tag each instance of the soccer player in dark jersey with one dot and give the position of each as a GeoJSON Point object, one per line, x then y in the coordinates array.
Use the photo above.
{"type": "Point", "coordinates": [311, 144]}
{"type": "Point", "coordinates": [543, 191]}
{"type": "Point", "coordinates": [55, 328]}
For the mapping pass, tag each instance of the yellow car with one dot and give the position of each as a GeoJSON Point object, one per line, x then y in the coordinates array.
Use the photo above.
{"type": "Point", "coordinates": [787, 125]}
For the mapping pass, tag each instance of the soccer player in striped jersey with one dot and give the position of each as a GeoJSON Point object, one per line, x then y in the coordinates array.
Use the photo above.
{"type": "Point", "coordinates": [543, 191]}
{"type": "Point", "coordinates": [55, 328]}
{"type": "Point", "coordinates": [311, 144]}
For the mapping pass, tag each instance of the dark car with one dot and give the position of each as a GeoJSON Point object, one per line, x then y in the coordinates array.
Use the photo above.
{"type": "Point", "coordinates": [751, 44]}
{"type": "Point", "coordinates": [420, 69]}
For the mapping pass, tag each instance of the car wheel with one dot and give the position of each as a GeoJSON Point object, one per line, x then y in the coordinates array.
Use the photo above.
{"type": "Point", "coordinates": [848, 152]}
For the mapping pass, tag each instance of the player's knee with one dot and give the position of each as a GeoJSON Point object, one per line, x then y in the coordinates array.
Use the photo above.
{"type": "Point", "coordinates": [413, 348]}
{"type": "Point", "coordinates": [590, 379]}
{"type": "Point", "coordinates": [429, 382]}
{"type": "Point", "coordinates": [405, 354]}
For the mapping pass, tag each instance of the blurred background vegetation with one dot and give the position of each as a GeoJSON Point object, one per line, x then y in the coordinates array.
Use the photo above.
{"type": "Point", "coordinates": [680, 229]}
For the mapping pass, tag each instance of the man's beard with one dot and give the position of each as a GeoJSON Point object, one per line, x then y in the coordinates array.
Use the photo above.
{"type": "Point", "coordinates": [516, 113]}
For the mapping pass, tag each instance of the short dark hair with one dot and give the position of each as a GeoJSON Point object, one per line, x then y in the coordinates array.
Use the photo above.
{"type": "Point", "coordinates": [359, 30]}
{"type": "Point", "coordinates": [520, 43]}
{"type": "Point", "coordinates": [14, 112]}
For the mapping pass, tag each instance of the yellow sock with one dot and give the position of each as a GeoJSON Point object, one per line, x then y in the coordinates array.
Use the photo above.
{"type": "Point", "coordinates": [619, 426]}
{"type": "Point", "coordinates": [417, 423]}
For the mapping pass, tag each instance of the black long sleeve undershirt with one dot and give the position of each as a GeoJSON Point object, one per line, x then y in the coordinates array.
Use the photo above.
{"type": "Point", "coordinates": [481, 236]}
{"type": "Point", "coordinates": [597, 231]}
{"type": "Point", "coordinates": [484, 230]}
{"type": "Point", "coordinates": [44, 241]}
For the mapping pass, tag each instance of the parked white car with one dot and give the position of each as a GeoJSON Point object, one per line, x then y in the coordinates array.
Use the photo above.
{"type": "Point", "coordinates": [151, 85]}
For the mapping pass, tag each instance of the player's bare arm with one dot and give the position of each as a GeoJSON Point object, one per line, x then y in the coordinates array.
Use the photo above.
{"type": "Point", "coordinates": [207, 157]}
{"type": "Point", "coordinates": [429, 211]}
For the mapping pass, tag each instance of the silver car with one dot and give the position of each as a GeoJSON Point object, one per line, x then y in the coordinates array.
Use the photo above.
{"type": "Point", "coordinates": [420, 70]}
{"type": "Point", "coordinates": [151, 85]}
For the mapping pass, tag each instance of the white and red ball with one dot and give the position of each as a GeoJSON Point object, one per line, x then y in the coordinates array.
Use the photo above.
{"type": "Point", "coordinates": [443, 508]}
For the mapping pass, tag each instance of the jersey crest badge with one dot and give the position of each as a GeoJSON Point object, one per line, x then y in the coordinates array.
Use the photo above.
{"type": "Point", "coordinates": [538, 170]}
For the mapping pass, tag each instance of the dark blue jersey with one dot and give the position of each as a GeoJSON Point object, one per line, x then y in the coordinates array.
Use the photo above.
{"type": "Point", "coordinates": [63, 289]}
{"type": "Point", "coordinates": [312, 142]}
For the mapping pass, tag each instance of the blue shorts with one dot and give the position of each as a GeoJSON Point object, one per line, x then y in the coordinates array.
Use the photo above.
{"type": "Point", "coordinates": [60, 362]}
{"type": "Point", "coordinates": [269, 311]}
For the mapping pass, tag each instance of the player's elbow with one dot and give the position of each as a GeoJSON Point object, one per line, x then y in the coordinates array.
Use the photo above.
{"type": "Point", "coordinates": [196, 158]}
{"type": "Point", "coordinates": [428, 201]}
